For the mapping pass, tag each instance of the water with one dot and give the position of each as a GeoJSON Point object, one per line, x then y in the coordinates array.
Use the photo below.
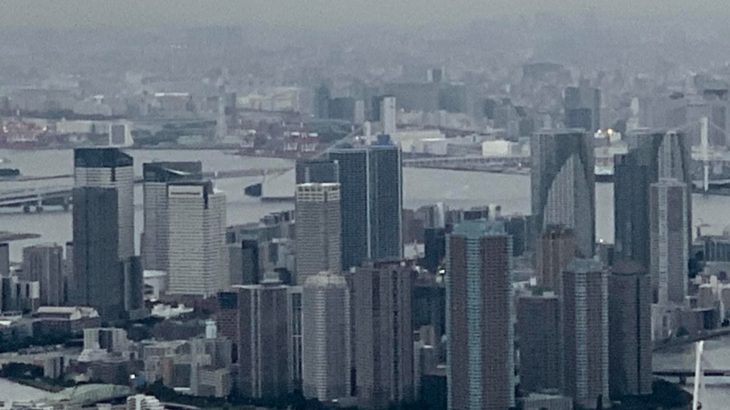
{"type": "Point", "coordinates": [11, 391]}
{"type": "Point", "coordinates": [716, 356]}
{"type": "Point", "coordinates": [421, 187]}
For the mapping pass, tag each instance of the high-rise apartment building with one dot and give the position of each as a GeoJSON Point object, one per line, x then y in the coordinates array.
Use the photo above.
{"type": "Point", "coordinates": [110, 168]}
{"type": "Point", "coordinates": [326, 360]}
{"type": "Point", "coordinates": [97, 279]}
{"type": "Point", "coordinates": [652, 155]}
{"type": "Point", "coordinates": [157, 175]}
{"type": "Point", "coordinates": [563, 184]}
{"type": "Point", "coordinates": [556, 248]}
{"type": "Point", "coordinates": [480, 353]}
{"type": "Point", "coordinates": [371, 192]}
{"type": "Point", "coordinates": [383, 334]}
{"type": "Point", "coordinates": [629, 323]}
{"type": "Point", "coordinates": [196, 244]}
{"type": "Point", "coordinates": [318, 229]}
{"type": "Point", "coordinates": [584, 317]}
{"type": "Point", "coordinates": [263, 343]}
{"type": "Point", "coordinates": [44, 264]}
{"type": "Point", "coordinates": [538, 338]}
{"type": "Point", "coordinates": [669, 213]}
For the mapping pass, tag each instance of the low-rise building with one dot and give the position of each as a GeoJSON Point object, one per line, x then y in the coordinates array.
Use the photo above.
{"type": "Point", "coordinates": [71, 320]}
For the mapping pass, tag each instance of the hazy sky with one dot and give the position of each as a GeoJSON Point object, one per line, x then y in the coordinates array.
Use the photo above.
{"type": "Point", "coordinates": [321, 13]}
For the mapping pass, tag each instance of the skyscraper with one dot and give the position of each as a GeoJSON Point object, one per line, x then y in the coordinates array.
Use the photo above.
{"type": "Point", "coordinates": [629, 320]}
{"type": "Point", "coordinates": [538, 333]}
{"type": "Point", "coordinates": [668, 211]}
{"type": "Point", "coordinates": [326, 337]}
{"type": "Point", "coordinates": [480, 353]}
{"type": "Point", "coordinates": [155, 235]}
{"type": "Point", "coordinates": [97, 279]}
{"type": "Point", "coordinates": [584, 327]}
{"type": "Point", "coordinates": [196, 246]}
{"type": "Point", "coordinates": [110, 168]}
{"type": "Point", "coordinates": [383, 334]}
{"type": "Point", "coordinates": [318, 229]}
{"type": "Point", "coordinates": [263, 340]}
{"type": "Point", "coordinates": [44, 264]}
{"type": "Point", "coordinates": [653, 154]}
{"type": "Point", "coordinates": [583, 107]}
{"type": "Point", "coordinates": [556, 248]}
{"type": "Point", "coordinates": [563, 184]}
{"type": "Point", "coordinates": [371, 190]}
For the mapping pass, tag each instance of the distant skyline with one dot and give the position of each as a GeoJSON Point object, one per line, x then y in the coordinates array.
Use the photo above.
{"type": "Point", "coordinates": [326, 13]}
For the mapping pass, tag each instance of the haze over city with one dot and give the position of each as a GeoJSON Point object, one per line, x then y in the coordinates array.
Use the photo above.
{"type": "Point", "coordinates": [414, 204]}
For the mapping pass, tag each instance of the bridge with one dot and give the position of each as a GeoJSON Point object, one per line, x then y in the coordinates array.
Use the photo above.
{"type": "Point", "coordinates": [38, 198]}
{"type": "Point", "coordinates": [471, 163]}
{"type": "Point", "coordinates": [683, 374]}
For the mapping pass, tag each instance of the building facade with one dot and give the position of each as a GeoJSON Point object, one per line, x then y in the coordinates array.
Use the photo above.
{"type": "Point", "coordinates": [480, 352]}
{"type": "Point", "coordinates": [584, 317]}
{"type": "Point", "coordinates": [538, 338]}
{"type": "Point", "coordinates": [326, 360]}
{"type": "Point", "coordinates": [318, 229]}
{"type": "Point", "coordinates": [556, 248]}
{"type": "Point", "coordinates": [653, 154]}
{"type": "Point", "coordinates": [383, 334]}
{"type": "Point", "coordinates": [110, 168]}
{"type": "Point", "coordinates": [371, 192]}
{"type": "Point", "coordinates": [44, 264]}
{"type": "Point", "coordinates": [563, 184]}
{"type": "Point", "coordinates": [97, 279]}
{"type": "Point", "coordinates": [669, 239]}
{"type": "Point", "coordinates": [155, 239]}
{"type": "Point", "coordinates": [196, 247]}
{"type": "Point", "coordinates": [629, 320]}
{"type": "Point", "coordinates": [263, 359]}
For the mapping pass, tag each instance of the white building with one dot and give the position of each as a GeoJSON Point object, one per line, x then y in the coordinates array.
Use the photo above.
{"type": "Point", "coordinates": [196, 248]}
{"type": "Point", "coordinates": [326, 355]}
{"type": "Point", "coordinates": [157, 175]}
{"type": "Point", "coordinates": [318, 226]}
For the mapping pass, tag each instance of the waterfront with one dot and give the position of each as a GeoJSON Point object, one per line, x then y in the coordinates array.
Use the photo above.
{"type": "Point", "coordinates": [421, 187]}
{"type": "Point", "coordinates": [716, 356]}
{"type": "Point", "coordinates": [11, 391]}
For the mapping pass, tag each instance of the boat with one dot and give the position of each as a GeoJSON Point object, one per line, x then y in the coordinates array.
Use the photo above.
{"type": "Point", "coordinates": [9, 172]}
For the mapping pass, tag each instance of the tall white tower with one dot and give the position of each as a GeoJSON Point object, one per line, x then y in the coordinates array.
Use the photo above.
{"type": "Point", "coordinates": [197, 229]}
{"type": "Point", "coordinates": [318, 227]}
